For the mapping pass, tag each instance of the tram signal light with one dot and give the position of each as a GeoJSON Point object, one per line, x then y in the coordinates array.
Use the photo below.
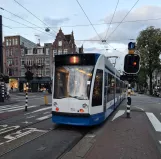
{"type": "Point", "coordinates": [132, 63]}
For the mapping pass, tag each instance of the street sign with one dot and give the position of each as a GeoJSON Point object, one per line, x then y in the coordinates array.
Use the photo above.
{"type": "Point", "coordinates": [131, 46]}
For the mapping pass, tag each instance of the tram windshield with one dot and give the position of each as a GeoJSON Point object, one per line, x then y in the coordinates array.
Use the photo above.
{"type": "Point", "coordinates": [73, 82]}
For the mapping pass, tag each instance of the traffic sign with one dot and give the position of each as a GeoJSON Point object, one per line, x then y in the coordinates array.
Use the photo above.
{"type": "Point", "coordinates": [131, 46]}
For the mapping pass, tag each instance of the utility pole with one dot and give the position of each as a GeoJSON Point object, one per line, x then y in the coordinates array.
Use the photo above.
{"type": "Point", "coordinates": [1, 46]}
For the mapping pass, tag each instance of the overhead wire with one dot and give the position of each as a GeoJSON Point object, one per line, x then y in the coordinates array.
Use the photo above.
{"type": "Point", "coordinates": [123, 19]}
{"type": "Point", "coordinates": [92, 25]}
{"type": "Point", "coordinates": [84, 25]}
{"type": "Point", "coordinates": [26, 25]}
{"type": "Point", "coordinates": [32, 14]}
{"type": "Point", "coordinates": [112, 18]}
{"type": "Point", "coordinates": [6, 26]}
{"type": "Point", "coordinates": [21, 18]}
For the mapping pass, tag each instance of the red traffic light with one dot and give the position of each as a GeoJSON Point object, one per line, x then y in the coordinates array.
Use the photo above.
{"type": "Point", "coordinates": [132, 63]}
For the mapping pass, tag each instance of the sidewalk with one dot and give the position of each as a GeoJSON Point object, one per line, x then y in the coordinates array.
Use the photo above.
{"type": "Point", "coordinates": [119, 139]}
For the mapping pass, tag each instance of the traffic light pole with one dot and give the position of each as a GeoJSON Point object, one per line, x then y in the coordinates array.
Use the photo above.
{"type": "Point", "coordinates": [128, 101]}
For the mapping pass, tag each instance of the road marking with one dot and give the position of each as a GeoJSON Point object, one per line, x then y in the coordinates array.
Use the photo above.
{"type": "Point", "coordinates": [118, 114]}
{"type": "Point", "coordinates": [7, 129]}
{"type": "Point", "coordinates": [18, 109]}
{"type": "Point", "coordinates": [44, 117]}
{"type": "Point", "coordinates": [139, 108]}
{"type": "Point", "coordinates": [29, 117]}
{"type": "Point", "coordinates": [39, 110]}
{"type": "Point", "coordinates": [21, 133]}
{"type": "Point", "coordinates": [26, 122]}
{"type": "Point", "coordinates": [160, 142]}
{"type": "Point", "coordinates": [155, 122]}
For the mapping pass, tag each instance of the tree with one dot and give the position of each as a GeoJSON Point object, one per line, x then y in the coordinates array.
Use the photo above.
{"type": "Point", "coordinates": [142, 77]}
{"type": "Point", "coordinates": [149, 47]}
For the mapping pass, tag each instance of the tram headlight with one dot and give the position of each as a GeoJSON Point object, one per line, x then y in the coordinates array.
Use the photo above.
{"type": "Point", "coordinates": [84, 105]}
{"type": "Point", "coordinates": [55, 104]}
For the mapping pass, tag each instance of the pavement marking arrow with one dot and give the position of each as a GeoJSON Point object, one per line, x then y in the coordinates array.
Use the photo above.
{"type": "Point", "coordinates": [155, 122]}
{"type": "Point", "coordinates": [118, 114]}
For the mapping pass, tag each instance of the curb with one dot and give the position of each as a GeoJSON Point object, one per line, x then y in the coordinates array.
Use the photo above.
{"type": "Point", "coordinates": [45, 105]}
{"type": "Point", "coordinates": [81, 148]}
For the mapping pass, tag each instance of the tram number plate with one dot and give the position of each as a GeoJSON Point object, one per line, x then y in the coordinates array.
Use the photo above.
{"type": "Point", "coordinates": [72, 109]}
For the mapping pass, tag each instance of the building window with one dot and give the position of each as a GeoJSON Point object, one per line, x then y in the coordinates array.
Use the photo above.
{"type": "Point", "coordinates": [16, 61]}
{"type": "Point", "coordinates": [59, 51]}
{"type": "Point", "coordinates": [13, 42]}
{"type": "Point", "coordinates": [7, 52]}
{"type": "Point", "coordinates": [65, 51]}
{"type": "Point", "coordinates": [47, 51]}
{"type": "Point", "coordinates": [29, 52]}
{"type": "Point", "coordinates": [6, 42]}
{"type": "Point", "coordinates": [54, 52]}
{"type": "Point", "coordinates": [22, 52]}
{"type": "Point", "coordinates": [22, 72]}
{"type": "Point", "coordinates": [40, 51]}
{"type": "Point", "coordinates": [47, 61]}
{"type": "Point", "coordinates": [22, 62]}
{"type": "Point", "coordinates": [9, 42]}
{"type": "Point", "coordinates": [47, 72]}
{"type": "Point", "coordinates": [10, 52]}
{"type": "Point", "coordinates": [16, 41]}
{"type": "Point", "coordinates": [59, 43]}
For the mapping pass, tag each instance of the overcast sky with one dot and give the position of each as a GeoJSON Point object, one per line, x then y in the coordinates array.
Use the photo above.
{"type": "Point", "coordinates": [67, 14]}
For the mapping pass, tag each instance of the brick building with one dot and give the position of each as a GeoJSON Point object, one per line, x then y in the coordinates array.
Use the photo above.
{"type": "Point", "coordinates": [39, 61]}
{"type": "Point", "coordinates": [12, 47]}
{"type": "Point", "coordinates": [21, 54]}
{"type": "Point", "coordinates": [65, 44]}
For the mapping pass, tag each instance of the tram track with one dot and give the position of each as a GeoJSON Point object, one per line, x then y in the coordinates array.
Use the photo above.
{"type": "Point", "coordinates": [28, 141]}
{"type": "Point", "coordinates": [59, 128]}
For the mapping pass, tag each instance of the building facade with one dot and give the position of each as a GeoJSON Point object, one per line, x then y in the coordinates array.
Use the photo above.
{"type": "Point", "coordinates": [37, 60]}
{"type": "Point", "coordinates": [21, 55]}
{"type": "Point", "coordinates": [65, 44]}
{"type": "Point", "coordinates": [12, 47]}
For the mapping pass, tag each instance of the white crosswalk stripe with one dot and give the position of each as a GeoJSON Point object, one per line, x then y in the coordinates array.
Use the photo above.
{"type": "Point", "coordinates": [12, 108]}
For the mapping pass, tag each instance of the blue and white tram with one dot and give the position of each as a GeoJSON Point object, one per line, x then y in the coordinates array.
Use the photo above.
{"type": "Point", "coordinates": [84, 91]}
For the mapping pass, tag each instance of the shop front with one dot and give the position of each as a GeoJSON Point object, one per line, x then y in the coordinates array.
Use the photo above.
{"type": "Point", "coordinates": [36, 85]}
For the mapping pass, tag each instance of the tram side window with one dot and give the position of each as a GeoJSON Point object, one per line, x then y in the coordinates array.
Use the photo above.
{"type": "Point", "coordinates": [117, 86]}
{"type": "Point", "coordinates": [111, 90]}
{"type": "Point", "coordinates": [97, 90]}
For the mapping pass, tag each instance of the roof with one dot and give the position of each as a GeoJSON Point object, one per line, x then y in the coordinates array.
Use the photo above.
{"type": "Point", "coordinates": [68, 37]}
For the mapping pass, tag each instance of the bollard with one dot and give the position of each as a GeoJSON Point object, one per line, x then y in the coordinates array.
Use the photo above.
{"type": "Point", "coordinates": [128, 101]}
{"type": "Point", "coordinates": [46, 100]}
{"type": "Point", "coordinates": [2, 86]}
{"type": "Point", "coordinates": [26, 105]}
